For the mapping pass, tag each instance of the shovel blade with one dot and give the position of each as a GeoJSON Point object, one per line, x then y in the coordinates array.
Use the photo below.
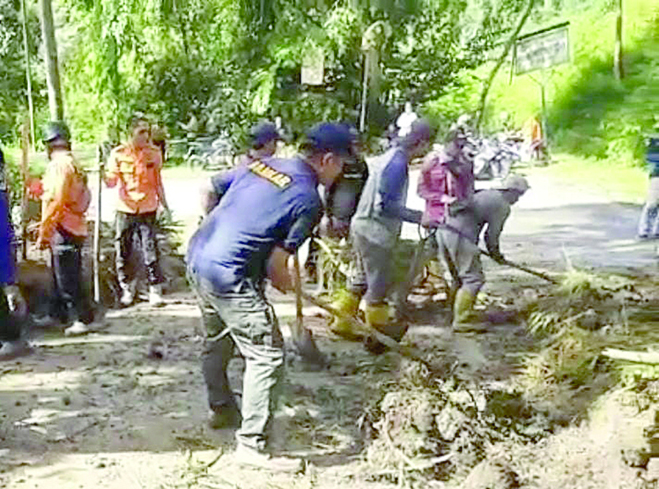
{"type": "Point", "coordinates": [307, 349]}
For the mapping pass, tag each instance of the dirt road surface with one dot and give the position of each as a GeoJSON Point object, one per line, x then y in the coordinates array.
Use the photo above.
{"type": "Point", "coordinates": [125, 407]}
{"type": "Point", "coordinates": [554, 224]}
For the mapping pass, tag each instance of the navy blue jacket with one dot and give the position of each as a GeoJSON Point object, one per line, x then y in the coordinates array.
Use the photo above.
{"type": "Point", "coordinates": [268, 203]}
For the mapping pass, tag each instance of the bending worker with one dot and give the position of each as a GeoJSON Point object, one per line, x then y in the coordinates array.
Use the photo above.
{"type": "Point", "coordinates": [375, 229]}
{"type": "Point", "coordinates": [458, 245]}
{"type": "Point", "coordinates": [12, 307]}
{"type": "Point", "coordinates": [267, 209]}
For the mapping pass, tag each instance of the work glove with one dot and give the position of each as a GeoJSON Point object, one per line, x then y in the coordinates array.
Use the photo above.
{"type": "Point", "coordinates": [497, 256]}
{"type": "Point", "coordinates": [427, 222]}
{"type": "Point", "coordinates": [15, 300]}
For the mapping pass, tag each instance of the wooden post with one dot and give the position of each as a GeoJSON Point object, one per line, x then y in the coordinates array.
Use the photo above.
{"type": "Point", "coordinates": [52, 68]}
{"type": "Point", "coordinates": [28, 73]}
{"type": "Point", "coordinates": [618, 68]}
{"type": "Point", "coordinates": [25, 146]}
{"type": "Point", "coordinates": [97, 227]}
{"type": "Point", "coordinates": [362, 118]}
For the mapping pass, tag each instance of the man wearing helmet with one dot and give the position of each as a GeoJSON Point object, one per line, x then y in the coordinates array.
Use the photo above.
{"type": "Point", "coordinates": [64, 228]}
{"type": "Point", "coordinates": [458, 245]}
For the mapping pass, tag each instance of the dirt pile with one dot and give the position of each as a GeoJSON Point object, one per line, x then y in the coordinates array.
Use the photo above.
{"type": "Point", "coordinates": [431, 428]}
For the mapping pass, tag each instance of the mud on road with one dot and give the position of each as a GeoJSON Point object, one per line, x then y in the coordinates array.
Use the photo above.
{"type": "Point", "coordinates": [125, 407]}
{"type": "Point", "coordinates": [531, 403]}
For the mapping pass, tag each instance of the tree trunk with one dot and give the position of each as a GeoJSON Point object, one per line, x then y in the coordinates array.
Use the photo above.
{"type": "Point", "coordinates": [618, 70]}
{"type": "Point", "coordinates": [507, 47]}
{"type": "Point", "coordinates": [28, 72]}
{"type": "Point", "coordinates": [52, 69]}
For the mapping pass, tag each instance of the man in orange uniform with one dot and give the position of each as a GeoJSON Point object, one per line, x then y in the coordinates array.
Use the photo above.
{"type": "Point", "coordinates": [135, 168]}
{"type": "Point", "coordinates": [64, 228]}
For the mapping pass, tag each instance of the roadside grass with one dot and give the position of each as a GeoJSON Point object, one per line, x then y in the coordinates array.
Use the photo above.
{"type": "Point", "coordinates": [620, 182]}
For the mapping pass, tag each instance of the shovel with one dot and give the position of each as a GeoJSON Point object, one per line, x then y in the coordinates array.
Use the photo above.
{"type": "Point", "coordinates": [402, 350]}
{"type": "Point", "coordinates": [522, 268]}
{"type": "Point", "coordinates": [302, 337]}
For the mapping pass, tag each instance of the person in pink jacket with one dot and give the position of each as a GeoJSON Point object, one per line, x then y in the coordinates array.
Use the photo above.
{"type": "Point", "coordinates": [446, 182]}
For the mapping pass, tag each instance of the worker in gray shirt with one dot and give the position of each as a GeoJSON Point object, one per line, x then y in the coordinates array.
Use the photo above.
{"type": "Point", "coordinates": [458, 245]}
{"type": "Point", "coordinates": [375, 228]}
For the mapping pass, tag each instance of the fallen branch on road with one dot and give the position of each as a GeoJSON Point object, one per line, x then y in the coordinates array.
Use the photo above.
{"type": "Point", "coordinates": [632, 356]}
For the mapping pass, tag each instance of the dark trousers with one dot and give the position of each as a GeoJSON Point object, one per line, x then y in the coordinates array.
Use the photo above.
{"type": "Point", "coordinates": [10, 329]}
{"type": "Point", "coordinates": [133, 229]}
{"type": "Point", "coordinates": [71, 300]}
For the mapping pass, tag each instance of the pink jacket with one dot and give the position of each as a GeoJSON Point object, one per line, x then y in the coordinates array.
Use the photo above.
{"type": "Point", "coordinates": [440, 187]}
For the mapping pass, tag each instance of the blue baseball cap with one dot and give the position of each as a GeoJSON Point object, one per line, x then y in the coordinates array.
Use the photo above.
{"type": "Point", "coordinates": [263, 133]}
{"type": "Point", "coordinates": [331, 138]}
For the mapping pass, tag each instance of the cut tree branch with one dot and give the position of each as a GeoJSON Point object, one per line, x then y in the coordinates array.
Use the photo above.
{"type": "Point", "coordinates": [651, 358]}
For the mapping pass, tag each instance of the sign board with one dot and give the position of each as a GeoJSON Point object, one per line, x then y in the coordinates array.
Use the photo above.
{"type": "Point", "coordinates": [542, 49]}
{"type": "Point", "coordinates": [313, 67]}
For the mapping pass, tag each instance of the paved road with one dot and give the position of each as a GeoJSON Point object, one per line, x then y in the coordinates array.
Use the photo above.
{"type": "Point", "coordinates": [557, 221]}
{"type": "Point", "coordinates": [554, 222]}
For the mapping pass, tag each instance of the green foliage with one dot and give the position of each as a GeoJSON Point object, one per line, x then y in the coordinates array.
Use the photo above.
{"type": "Point", "coordinates": [590, 113]}
{"type": "Point", "coordinates": [13, 84]}
{"type": "Point", "coordinates": [227, 63]}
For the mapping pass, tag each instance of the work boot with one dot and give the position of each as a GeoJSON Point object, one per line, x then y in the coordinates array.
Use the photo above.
{"type": "Point", "coordinates": [155, 296]}
{"type": "Point", "coordinates": [346, 303]}
{"type": "Point", "coordinates": [127, 293]}
{"type": "Point", "coordinates": [251, 457]}
{"type": "Point", "coordinates": [465, 319]}
{"type": "Point", "coordinates": [15, 349]}
{"type": "Point", "coordinates": [379, 318]}
{"type": "Point", "coordinates": [221, 417]}
{"type": "Point", "coordinates": [76, 329]}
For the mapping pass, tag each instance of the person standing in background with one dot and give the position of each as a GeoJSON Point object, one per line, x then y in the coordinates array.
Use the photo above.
{"type": "Point", "coordinates": [406, 120]}
{"type": "Point", "coordinates": [135, 168]}
{"type": "Point", "coordinates": [648, 225]}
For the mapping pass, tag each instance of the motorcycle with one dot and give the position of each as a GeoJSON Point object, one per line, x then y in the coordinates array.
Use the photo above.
{"type": "Point", "coordinates": [495, 157]}
{"type": "Point", "coordinates": [211, 154]}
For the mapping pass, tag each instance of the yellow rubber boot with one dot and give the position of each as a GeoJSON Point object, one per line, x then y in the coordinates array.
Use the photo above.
{"type": "Point", "coordinates": [346, 303]}
{"type": "Point", "coordinates": [380, 318]}
{"type": "Point", "coordinates": [464, 317]}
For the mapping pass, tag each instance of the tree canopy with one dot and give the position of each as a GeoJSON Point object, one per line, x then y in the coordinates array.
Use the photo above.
{"type": "Point", "coordinates": [231, 62]}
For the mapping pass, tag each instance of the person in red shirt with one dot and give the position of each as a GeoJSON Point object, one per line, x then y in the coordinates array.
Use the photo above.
{"type": "Point", "coordinates": [135, 169]}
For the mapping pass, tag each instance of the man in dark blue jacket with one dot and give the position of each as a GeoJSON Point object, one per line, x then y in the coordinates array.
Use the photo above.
{"type": "Point", "coordinates": [266, 210]}
{"type": "Point", "coordinates": [11, 302]}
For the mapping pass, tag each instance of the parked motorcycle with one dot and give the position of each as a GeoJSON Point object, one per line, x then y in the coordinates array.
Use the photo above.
{"type": "Point", "coordinates": [494, 157]}
{"type": "Point", "coordinates": [211, 154]}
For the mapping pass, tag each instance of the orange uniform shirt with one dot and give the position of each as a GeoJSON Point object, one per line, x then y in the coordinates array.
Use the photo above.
{"type": "Point", "coordinates": [66, 197]}
{"type": "Point", "coordinates": [137, 173]}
